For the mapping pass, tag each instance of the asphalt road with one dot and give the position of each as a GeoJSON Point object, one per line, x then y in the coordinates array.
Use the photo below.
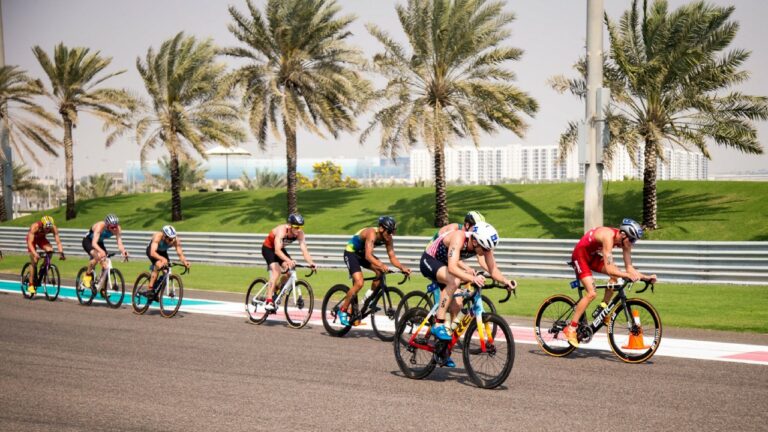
{"type": "Point", "coordinates": [66, 367]}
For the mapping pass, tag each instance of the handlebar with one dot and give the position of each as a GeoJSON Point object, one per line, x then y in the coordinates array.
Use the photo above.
{"type": "Point", "coordinates": [111, 254]}
{"type": "Point", "coordinates": [495, 284]}
{"type": "Point", "coordinates": [406, 276]}
{"type": "Point", "coordinates": [314, 270]}
{"type": "Point", "coordinates": [646, 284]}
{"type": "Point", "coordinates": [186, 269]}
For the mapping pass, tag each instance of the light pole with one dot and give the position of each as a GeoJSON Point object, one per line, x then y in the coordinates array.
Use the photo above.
{"type": "Point", "coordinates": [593, 168]}
{"type": "Point", "coordinates": [5, 145]}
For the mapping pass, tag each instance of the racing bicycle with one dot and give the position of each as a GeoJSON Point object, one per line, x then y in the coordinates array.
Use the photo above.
{"type": "Point", "coordinates": [168, 291]}
{"type": "Point", "coordinates": [296, 293]}
{"type": "Point", "coordinates": [109, 284]}
{"type": "Point", "coordinates": [380, 304]}
{"type": "Point", "coordinates": [634, 326]}
{"type": "Point", "coordinates": [47, 278]}
{"type": "Point", "coordinates": [488, 354]}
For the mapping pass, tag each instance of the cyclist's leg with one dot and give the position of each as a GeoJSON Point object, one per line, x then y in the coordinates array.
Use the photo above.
{"type": "Point", "coordinates": [155, 268]}
{"type": "Point", "coordinates": [354, 265]}
{"type": "Point", "coordinates": [88, 248]}
{"type": "Point", "coordinates": [283, 276]}
{"type": "Point", "coordinates": [33, 271]}
{"type": "Point", "coordinates": [45, 246]}
{"type": "Point", "coordinates": [274, 264]}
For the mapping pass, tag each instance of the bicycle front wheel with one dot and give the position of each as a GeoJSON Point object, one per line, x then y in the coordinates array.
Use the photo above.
{"type": "Point", "coordinates": [299, 304]}
{"type": "Point", "coordinates": [25, 271]}
{"type": "Point", "coordinates": [383, 318]}
{"type": "Point", "coordinates": [412, 300]}
{"type": "Point", "coordinates": [635, 332]}
{"type": "Point", "coordinates": [139, 299]}
{"type": "Point", "coordinates": [413, 360]}
{"type": "Point", "coordinates": [255, 300]}
{"type": "Point", "coordinates": [331, 302]}
{"type": "Point", "coordinates": [52, 283]}
{"type": "Point", "coordinates": [115, 289]}
{"type": "Point", "coordinates": [489, 359]}
{"type": "Point", "coordinates": [171, 296]}
{"type": "Point", "coordinates": [85, 294]}
{"type": "Point", "coordinates": [554, 315]}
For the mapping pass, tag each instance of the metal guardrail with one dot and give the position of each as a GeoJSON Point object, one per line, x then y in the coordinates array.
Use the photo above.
{"type": "Point", "coordinates": [696, 262]}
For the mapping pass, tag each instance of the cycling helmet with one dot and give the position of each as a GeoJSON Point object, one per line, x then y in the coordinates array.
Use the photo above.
{"type": "Point", "coordinates": [296, 219]}
{"type": "Point", "coordinates": [169, 231]}
{"type": "Point", "coordinates": [632, 229]}
{"type": "Point", "coordinates": [47, 221]}
{"type": "Point", "coordinates": [111, 220]}
{"type": "Point", "coordinates": [388, 223]}
{"type": "Point", "coordinates": [474, 218]}
{"type": "Point", "coordinates": [485, 235]}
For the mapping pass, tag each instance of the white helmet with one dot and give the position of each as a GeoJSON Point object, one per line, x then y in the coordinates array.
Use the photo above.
{"type": "Point", "coordinates": [485, 235]}
{"type": "Point", "coordinates": [169, 231]}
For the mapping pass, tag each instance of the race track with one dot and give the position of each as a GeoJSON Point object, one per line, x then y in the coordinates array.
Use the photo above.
{"type": "Point", "coordinates": [67, 367]}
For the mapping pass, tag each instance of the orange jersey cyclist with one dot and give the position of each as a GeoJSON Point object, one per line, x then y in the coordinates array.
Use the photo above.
{"type": "Point", "coordinates": [278, 260]}
{"type": "Point", "coordinates": [93, 243]}
{"type": "Point", "coordinates": [595, 252]}
{"type": "Point", "coordinates": [157, 251]}
{"type": "Point", "coordinates": [37, 239]}
{"type": "Point", "coordinates": [359, 254]}
{"type": "Point", "coordinates": [443, 263]}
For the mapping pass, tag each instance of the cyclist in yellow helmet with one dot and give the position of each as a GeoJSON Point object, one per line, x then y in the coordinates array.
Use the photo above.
{"type": "Point", "coordinates": [37, 239]}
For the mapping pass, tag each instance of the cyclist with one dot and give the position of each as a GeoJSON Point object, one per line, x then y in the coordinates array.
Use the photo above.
{"type": "Point", "coordinates": [278, 260]}
{"type": "Point", "coordinates": [594, 252]}
{"type": "Point", "coordinates": [443, 263]}
{"type": "Point", "coordinates": [93, 243]}
{"type": "Point", "coordinates": [37, 239]}
{"type": "Point", "coordinates": [359, 253]}
{"type": "Point", "coordinates": [157, 251]}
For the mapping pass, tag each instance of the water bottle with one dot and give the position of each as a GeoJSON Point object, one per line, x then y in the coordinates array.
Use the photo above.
{"type": "Point", "coordinates": [599, 309]}
{"type": "Point", "coordinates": [456, 320]}
{"type": "Point", "coordinates": [367, 294]}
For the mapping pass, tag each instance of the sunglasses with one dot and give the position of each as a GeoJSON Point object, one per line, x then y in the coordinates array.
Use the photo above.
{"type": "Point", "coordinates": [298, 227]}
{"type": "Point", "coordinates": [112, 226]}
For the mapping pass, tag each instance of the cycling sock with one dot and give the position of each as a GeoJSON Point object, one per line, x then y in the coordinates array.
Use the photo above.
{"type": "Point", "coordinates": [574, 324]}
{"type": "Point", "coordinates": [440, 321]}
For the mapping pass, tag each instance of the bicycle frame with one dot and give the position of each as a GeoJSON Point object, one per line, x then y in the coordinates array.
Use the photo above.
{"type": "Point", "coordinates": [383, 288]}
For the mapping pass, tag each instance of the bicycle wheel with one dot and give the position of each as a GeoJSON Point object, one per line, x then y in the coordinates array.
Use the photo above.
{"type": "Point", "coordinates": [490, 365]}
{"type": "Point", "coordinates": [413, 300]}
{"type": "Point", "coordinates": [25, 270]}
{"type": "Point", "coordinates": [553, 316]}
{"type": "Point", "coordinates": [635, 332]}
{"type": "Point", "coordinates": [139, 301]}
{"type": "Point", "coordinates": [115, 289]}
{"type": "Point", "coordinates": [299, 304]}
{"type": "Point", "coordinates": [331, 302]}
{"type": "Point", "coordinates": [171, 296]}
{"type": "Point", "coordinates": [85, 294]}
{"type": "Point", "coordinates": [414, 362]}
{"type": "Point", "coordinates": [51, 282]}
{"type": "Point", "coordinates": [255, 299]}
{"type": "Point", "coordinates": [383, 319]}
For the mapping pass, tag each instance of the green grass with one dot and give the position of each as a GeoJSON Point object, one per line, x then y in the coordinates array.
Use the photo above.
{"type": "Point", "coordinates": [687, 210]}
{"type": "Point", "coordinates": [716, 307]}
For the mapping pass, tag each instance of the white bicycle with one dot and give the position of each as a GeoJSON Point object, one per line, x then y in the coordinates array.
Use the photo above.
{"type": "Point", "coordinates": [296, 296]}
{"type": "Point", "coordinates": [110, 284]}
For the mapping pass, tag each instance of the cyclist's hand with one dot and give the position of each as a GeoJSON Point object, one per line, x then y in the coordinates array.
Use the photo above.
{"type": "Point", "coordinates": [406, 270]}
{"type": "Point", "coordinates": [511, 285]}
{"type": "Point", "coordinates": [62, 257]}
{"type": "Point", "coordinates": [478, 280]}
{"type": "Point", "coordinates": [384, 268]}
{"type": "Point", "coordinates": [313, 266]}
{"type": "Point", "coordinates": [162, 262]}
{"type": "Point", "coordinates": [291, 263]}
{"type": "Point", "coordinates": [634, 275]}
{"type": "Point", "coordinates": [652, 278]}
{"type": "Point", "coordinates": [186, 263]}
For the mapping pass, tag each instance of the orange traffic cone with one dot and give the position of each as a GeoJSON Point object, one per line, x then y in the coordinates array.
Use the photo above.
{"type": "Point", "coordinates": [636, 341]}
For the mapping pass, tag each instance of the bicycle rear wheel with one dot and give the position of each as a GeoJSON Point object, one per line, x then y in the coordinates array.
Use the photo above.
{"type": "Point", "coordinates": [299, 304]}
{"type": "Point", "coordinates": [52, 283]}
{"type": "Point", "coordinates": [139, 300]}
{"type": "Point", "coordinates": [331, 302]}
{"type": "Point", "coordinates": [383, 320]}
{"type": "Point", "coordinates": [414, 362]}
{"type": "Point", "coordinates": [554, 314]}
{"type": "Point", "coordinates": [635, 332]}
{"type": "Point", "coordinates": [489, 360]}
{"type": "Point", "coordinates": [170, 297]}
{"type": "Point", "coordinates": [25, 271]}
{"type": "Point", "coordinates": [85, 294]}
{"type": "Point", "coordinates": [255, 300]}
{"type": "Point", "coordinates": [115, 289]}
{"type": "Point", "coordinates": [413, 300]}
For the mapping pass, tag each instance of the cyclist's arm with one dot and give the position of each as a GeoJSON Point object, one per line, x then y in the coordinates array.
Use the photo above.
{"type": "Point", "coordinates": [369, 235]}
{"type": "Point", "coordinates": [31, 238]}
{"type": "Point", "coordinates": [464, 266]}
{"type": "Point", "coordinates": [95, 240]}
{"type": "Point", "coordinates": [483, 263]}
{"type": "Point", "coordinates": [120, 245]}
{"type": "Point", "coordinates": [305, 250]}
{"type": "Point", "coordinates": [279, 234]}
{"type": "Point", "coordinates": [454, 258]}
{"type": "Point", "coordinates": [58, 240]}
{"type": "Point", "coordinates": [393, 258]}
{"type": "Point", "coordinates": [492, 269]}
{"type": "Point", "coordinates": [153, 247]}
{"type": "Point", "coordinates": [611, 269]}
{"type": "Point", "coordinates": [180, 252]}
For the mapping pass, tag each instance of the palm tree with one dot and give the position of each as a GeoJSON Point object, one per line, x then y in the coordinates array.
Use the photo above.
{"type": "Point", "coordinates": [23, 180]}
{"type": "Point", "coordinates": [301, 73]}
{"type": "Point", "coordinates": [453, 83]}
{"type": "Point", "coordinates": [27, 124]}
{"type": "Point", "coordinates": [670, 81]}
{"type": "Point", "coordinates": [73, 88]}
{"type": "Point", "coordinates": [190, 175]}
{"type": "Point", "coordinates": [96, 186]}
{"type": "Point", "coordinates": [190, 109]}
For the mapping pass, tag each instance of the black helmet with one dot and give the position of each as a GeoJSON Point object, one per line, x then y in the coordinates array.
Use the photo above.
{"type": "Point", "coordinates": [388, 223]}
{"type": "Point", "coordinates": [296, 219]}
{"type": "Point", "coordinates": [632, 229]}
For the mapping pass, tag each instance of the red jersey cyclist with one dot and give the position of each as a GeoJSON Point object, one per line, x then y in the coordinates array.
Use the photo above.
{"type": "Point", "coordinates": [595, 252]}
{"type": "Point", "coordinates": [278, 260]}
{"type": "Point", "coordinates": [443, 263]}
{"type": "Point", "coordinates": [93, 243]}
{"type": "Point", "coordinates": [37, 239]}
{"type": "Point", "coordinates": [359, 253]}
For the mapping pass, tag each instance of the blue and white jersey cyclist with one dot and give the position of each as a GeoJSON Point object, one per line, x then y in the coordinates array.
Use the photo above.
{"type": "Point", "coordinates": [443, 263]}
{"type": "Point", "coordinates": [157, 251]}
{"type": "Point", "coordinates": [359, 254]}
{"type": "Point", "coordinates": [93, 243]}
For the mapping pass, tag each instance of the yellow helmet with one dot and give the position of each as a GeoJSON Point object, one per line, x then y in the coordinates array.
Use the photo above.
{"type": "Point", "coordinates": [47, 221]}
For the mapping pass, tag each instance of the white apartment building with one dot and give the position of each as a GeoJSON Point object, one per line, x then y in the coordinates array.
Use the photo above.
{"type": "Point", "coordinates": [675, 164]}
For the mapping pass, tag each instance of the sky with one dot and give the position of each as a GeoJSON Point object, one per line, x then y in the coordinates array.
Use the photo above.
{"type": "Point", "coordinates": [551, 32]}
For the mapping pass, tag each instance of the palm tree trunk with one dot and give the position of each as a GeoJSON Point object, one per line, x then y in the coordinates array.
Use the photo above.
{"type": "Point", "coordinates": [290, 153]}
{"type": "Point", "coordinates": [649, 185]}
{"type": "Point", "coordinates": [441, 206]}
{"type": "Point", "coordinates": [69, 168]}
{"type": "Point", "coordinates": [175, 188]}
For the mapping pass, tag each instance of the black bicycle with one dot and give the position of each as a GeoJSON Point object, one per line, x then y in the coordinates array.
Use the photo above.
{"type": "Point", "coordinates": [46, 278]}
{"type": "Point", "coordinates": [381, 305]}
{"type": "Point", "coordinates": [168, 291]}
{"type": "Point", "coordinates": [634, 326]}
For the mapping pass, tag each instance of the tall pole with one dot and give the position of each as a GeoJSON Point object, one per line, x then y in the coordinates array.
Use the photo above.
{"type": "Point", "coordinates": [593, 170]}
{"type": "Point", "coordinates": [5, 145]}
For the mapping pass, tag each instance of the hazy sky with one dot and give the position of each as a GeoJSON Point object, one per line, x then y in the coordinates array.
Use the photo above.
{"type": "Point", "coordinates": [552, 33]}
